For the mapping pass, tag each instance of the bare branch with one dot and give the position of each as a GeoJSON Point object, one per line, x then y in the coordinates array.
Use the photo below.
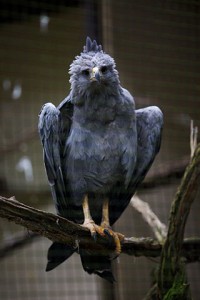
{"type": "Point", "coordinates": [61, 230]}
{"type": "Point", "coordinates": [159, 229]}
{"type": "Point", "coordinates": [16, 241]}
{"type": "Point", "coordinates": [193, 138]}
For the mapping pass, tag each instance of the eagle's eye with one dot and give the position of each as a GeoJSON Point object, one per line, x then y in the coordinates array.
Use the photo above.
{"type": "Point", "coordinates": [86, 72]}
{"type": "Point", "coordinates": [104, 69]}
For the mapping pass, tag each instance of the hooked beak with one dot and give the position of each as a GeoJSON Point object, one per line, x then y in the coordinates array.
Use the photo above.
{"type": "Point", "coordinates": [95, 75]}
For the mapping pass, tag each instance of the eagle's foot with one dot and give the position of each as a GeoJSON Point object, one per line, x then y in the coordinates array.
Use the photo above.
{"type": "Point", "coordinates": [93, 228]}
{"type": "Point", "coordinates": [105, 231]}
{"type": "Point", "coordinates": [117, 238]}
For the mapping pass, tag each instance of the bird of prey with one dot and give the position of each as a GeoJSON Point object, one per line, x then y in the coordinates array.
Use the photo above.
{"type": "Point", "coordinates": [97, 150]}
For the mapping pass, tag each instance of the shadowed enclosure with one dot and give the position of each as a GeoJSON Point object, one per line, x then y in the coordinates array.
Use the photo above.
{"type": "Point", "coordinates": [156, 46]}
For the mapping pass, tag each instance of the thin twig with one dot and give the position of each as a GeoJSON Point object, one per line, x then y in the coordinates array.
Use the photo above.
{"type": "Point", "coordinates": [159, 229]}
{"type": "Point", "coordinates": [193, 138]}
{"type": "Point", "coordinates": [16, 241]}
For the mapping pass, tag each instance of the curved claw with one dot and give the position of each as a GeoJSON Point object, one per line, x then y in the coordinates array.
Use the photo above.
{"type": "Point", "coordinates": [102, 231]}
{"type": "Point", "coordinates": [117, 240]}
{"type": "Point", "coordinates": [107, 233]}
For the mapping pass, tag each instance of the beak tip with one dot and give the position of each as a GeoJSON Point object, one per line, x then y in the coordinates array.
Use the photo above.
{"type": "Point", "coordinates": [95, 74]}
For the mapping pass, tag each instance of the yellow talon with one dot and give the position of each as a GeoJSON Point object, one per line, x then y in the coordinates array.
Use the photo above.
{"type": "Point", "coordinates": [104, 229]}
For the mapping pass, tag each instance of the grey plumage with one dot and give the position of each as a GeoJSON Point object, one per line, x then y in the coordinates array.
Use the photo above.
{"type": "Point", "coordinates": [96, 143]}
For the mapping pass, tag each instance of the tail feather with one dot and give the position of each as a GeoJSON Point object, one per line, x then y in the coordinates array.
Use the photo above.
{"type": "Point", "coordinates": [92, 263]}
{"type": "Point", "coordinates": [97, 264]}
{"type": "Point", "coordinates": [57, 254]}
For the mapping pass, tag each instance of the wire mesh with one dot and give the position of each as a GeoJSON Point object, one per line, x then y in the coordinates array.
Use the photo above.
{"type": "Point", "coordinates": [156, 48]}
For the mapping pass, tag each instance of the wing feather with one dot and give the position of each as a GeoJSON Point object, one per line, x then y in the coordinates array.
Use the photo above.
{"type": "Point", "coordinates": [53, 130]}
{"type": "Point", "coordinates": [149, 129]}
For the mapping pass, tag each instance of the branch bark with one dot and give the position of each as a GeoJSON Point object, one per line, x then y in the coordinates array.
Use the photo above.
{"type": "Point", "coordinates": [61, 230]}
{"type": "Point", "coordinates": [172, 283]}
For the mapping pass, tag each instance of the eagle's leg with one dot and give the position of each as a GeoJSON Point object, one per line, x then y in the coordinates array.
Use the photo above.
{"type": "Point", "coordinates": [104, 229]}
{"type": "Point", "coordinates": [88, 221]}
{"type": "Point", "coordinates": [105, 223]}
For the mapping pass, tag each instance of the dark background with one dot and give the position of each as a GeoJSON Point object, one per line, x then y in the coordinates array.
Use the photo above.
{"type": "Point", "coordinates": [156, 46]}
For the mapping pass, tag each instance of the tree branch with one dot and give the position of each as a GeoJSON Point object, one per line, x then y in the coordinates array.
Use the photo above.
{"type": "Point", "coordinates": [61, 230]}
{"type": "Point", "coordinates": [172, 282]}
{"type": "Point", "coordinates": [159, 229]}
{"type": "Point", "coordinates": [193, 137]}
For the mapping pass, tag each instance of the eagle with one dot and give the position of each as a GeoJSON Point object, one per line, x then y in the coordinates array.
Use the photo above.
{"type": "Point", "coordinates": [97, 149]}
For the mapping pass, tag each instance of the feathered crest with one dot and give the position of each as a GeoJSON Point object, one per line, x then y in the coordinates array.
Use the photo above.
{"type": "Point", "coordinates": [91, 46]}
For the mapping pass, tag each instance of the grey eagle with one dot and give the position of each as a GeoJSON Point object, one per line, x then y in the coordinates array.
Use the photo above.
{"type": "Point", "coordinates": [97, 150]}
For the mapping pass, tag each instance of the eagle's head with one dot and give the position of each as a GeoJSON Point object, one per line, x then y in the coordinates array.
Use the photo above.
{"type": "Point", "coordinates": [93, 71]}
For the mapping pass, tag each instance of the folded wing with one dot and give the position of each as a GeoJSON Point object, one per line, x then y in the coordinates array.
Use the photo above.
{"type": "Point", "coordinates": [149, 128]}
